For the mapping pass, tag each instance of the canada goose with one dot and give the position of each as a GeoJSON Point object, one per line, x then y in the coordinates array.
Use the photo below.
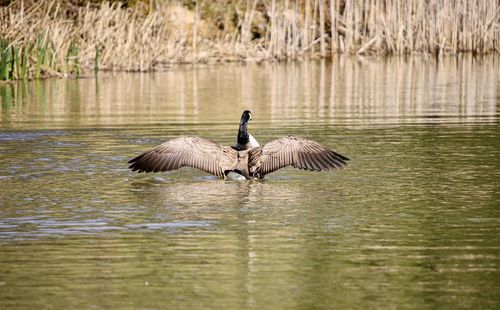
{"type": "Point", "coordinates": [246, 158]}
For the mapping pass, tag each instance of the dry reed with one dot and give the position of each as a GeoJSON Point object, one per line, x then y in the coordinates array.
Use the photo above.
{"type": "Point", "coordinates": [112, 37]}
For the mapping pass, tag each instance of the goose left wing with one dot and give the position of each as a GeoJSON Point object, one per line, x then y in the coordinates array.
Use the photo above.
{"type": "Point", "coordinates": [296, 152]}
{"type": "Point", "coordinates": [190, 151]}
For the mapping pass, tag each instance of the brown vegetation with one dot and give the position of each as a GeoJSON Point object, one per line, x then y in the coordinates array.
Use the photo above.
{"type": "Point", "coordinates": [50, 37]}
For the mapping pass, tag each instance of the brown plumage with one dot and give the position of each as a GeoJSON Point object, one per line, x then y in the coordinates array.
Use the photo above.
{"type": "Point", "coordinates": [254, 162]}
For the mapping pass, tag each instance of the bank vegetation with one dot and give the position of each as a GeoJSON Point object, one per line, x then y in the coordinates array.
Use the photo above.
{"type": "Point", "coordinates": [60, 38]}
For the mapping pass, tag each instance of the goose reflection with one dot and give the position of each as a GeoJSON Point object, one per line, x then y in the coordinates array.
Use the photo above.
{"type": "Point", "coordinates": [215, 197]}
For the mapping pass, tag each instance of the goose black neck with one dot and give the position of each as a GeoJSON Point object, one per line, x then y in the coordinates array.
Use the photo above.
{"type": "Point", "coordinates": [243, 137]}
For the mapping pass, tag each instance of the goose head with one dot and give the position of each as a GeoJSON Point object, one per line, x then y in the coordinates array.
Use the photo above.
{"type": "Point", "coordinates": [246, 116]}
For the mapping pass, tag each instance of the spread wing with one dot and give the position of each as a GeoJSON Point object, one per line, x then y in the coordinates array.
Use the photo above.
{"type": "Point", "coordinates": [189, 151]}
{"type": "Point", "coordinates": [294, 151]}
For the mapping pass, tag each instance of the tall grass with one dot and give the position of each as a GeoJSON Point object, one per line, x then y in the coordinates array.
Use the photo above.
{"type": "Point", "coordinates": [50, 37]}
{"type": "Point", "coordinates": [384, 27]}
{"type": "Point", "coordinates": [34, 42]}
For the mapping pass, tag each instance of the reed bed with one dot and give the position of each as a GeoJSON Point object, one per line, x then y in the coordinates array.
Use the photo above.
{"type": "Point", "coordinates": [54, 38]}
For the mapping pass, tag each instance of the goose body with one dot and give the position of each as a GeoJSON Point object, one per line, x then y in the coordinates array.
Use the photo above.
{"type": "Point", "coordinates": [246, 158]}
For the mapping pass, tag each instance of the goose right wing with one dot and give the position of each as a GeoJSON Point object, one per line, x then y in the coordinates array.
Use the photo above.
{"type": "Point", "coordinates": [189, 151]}
{"type": "Point", "coordinates": [297, 152]}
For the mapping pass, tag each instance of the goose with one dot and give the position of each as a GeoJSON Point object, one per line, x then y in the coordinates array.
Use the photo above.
{"type": "Point", "coordinates": [246, 158]}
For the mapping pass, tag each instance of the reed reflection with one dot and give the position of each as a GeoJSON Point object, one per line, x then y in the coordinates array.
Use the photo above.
{"type": "Point", "coordinates": [346, 90]}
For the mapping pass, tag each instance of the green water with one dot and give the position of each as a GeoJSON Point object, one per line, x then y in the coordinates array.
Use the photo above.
{"type": "Point", "coordinates": [412, 222]}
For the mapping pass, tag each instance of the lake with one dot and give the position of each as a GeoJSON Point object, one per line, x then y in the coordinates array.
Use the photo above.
{"type": "Point", "coordinates": [412, 222]}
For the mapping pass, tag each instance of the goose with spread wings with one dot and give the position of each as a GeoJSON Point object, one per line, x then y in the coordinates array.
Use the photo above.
{"type": "Point", "coordinates": [246, 158]}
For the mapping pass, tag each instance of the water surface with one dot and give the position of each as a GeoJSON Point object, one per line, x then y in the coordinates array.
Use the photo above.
{"type": "Point", "coordinates": [414, 221]}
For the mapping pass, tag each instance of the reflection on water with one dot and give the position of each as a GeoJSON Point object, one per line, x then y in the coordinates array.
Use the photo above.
{"type": "Point", "coordinates": [413, 220]}
{"type": "Point", "coordinates": [345, 91]}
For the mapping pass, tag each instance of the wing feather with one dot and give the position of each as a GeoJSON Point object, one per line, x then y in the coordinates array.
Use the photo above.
{"type": "Point", "coordinates": [297, 152]}
{"type": "Point", "coordinates": [189, 151]}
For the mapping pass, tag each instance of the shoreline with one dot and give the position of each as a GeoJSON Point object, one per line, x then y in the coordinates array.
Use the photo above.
{"type": "Point", "coordinates": [90, 74]}
{"type": "Point", "coordinates": [50, 39]}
